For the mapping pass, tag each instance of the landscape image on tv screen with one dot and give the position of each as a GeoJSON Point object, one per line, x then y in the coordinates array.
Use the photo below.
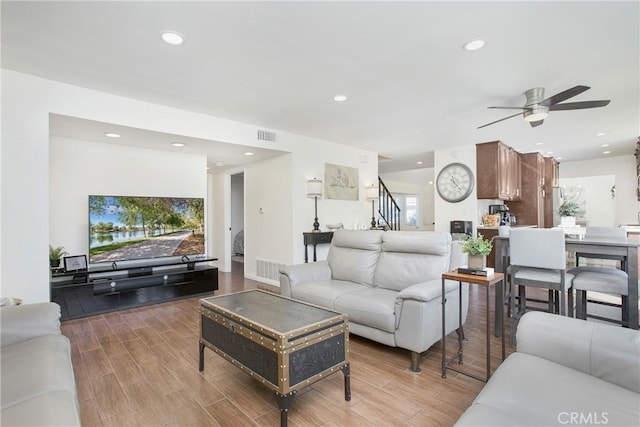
{"type": "Point", "coordinates": [132, 227]}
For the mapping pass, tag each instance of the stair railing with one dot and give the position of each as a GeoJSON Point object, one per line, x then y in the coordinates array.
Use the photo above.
{"type": "Point", "coordinates": [388, 209]}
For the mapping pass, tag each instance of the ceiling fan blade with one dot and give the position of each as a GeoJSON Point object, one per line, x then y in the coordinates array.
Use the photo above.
{"type": "Point", "coordinates": [559, 97]}
{"type": "Point", "coordinates": [536, 123]}
{"type": "Point", "coordinates": [579, 105]}
{"type": "Point", "coordinates": [504, 118]}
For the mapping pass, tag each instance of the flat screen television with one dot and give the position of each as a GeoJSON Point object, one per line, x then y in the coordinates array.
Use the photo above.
{"type": "Point", "coordinates": [123, 228]}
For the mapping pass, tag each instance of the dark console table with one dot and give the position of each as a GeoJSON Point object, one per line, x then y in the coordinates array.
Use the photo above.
{"type": "Point", "coordinates": [315, 239]}
{"type": "Point", "coordinates": [102, 290]}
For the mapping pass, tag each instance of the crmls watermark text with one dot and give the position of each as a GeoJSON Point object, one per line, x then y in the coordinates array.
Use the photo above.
{"type": "Point", "coordinates": [579, 418]}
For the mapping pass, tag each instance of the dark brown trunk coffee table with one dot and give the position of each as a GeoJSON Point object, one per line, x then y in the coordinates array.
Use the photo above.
{"type": "Point", "coordinates": [285, 344]}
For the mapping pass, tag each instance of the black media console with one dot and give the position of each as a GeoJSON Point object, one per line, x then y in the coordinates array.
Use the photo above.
{"type": "Point", "coordinates": [104, 290]}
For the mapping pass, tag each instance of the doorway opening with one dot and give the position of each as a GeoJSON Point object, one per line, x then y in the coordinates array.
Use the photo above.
{"type": "Point", "coordinates": [237, 222]}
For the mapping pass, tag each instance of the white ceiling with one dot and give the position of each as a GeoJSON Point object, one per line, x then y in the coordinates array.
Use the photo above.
{"type": "Point", "coordinates": [411, 87]}
{"type": "Point", "coordinates": [220, 156]}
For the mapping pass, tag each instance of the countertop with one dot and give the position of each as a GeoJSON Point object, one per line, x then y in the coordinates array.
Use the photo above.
{"type": "Point", "coordinates": [480, 227]}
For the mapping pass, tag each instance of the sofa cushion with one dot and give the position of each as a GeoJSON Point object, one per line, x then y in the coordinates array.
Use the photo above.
{"type": "Point", "coordinates": [552, 398]}
{"type": "Point", "coordinates": [350, 249]}
{"type": "Point", "coordinates": [408, 258]}
{"type": "Point", "coordinates": [324, 292]}
{"type": "Point", "coordinates": [372, 307]}
{"type": "Point", "coordinates": [23, 322]}
{"type": "Point", "coordinates": [55, 408]}
{"type": "Point", "coordinates": [35, 367]}
{"type": "Point", "coordinates": [481, 415]}
{"type": "Point", "coordinates": [419, 242]}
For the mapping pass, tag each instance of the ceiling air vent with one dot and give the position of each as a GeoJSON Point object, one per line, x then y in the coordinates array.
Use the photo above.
{"type": "Point", "coordinates": [266, 135]}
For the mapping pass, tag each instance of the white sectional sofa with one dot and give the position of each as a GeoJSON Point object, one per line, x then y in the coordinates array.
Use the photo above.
{"type": "Point", "coordinates": [388, 282]}
{"type": "Point", "coordinates": [38, 386]}
{"type": "Point", "coordinates": [565, 372]}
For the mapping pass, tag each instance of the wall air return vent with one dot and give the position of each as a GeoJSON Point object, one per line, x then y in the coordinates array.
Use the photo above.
{"type": "Point", "coordinates": [266, 135]}
{"type": "Point", "coordinates": [268, 269]}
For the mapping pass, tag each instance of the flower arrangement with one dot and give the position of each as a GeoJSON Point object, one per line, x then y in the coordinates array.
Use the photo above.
{"type": "Point", "coordinates": [569, 208]}
{"type": "Point", "coordinates": [477, 246]}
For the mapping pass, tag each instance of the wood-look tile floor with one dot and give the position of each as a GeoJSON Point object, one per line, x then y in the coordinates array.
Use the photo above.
{"type": "Point", "coordinates": [140, 367]}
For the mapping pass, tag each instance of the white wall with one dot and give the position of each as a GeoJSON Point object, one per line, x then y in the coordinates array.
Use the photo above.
{"type": "Point", "coordinates": [466, 210]}
{"type": "Point", "coordinates": [599, 208]}
{"type": "Point", "coordinates": [80, 168]}
{"type": "Point", "coordinates": [624, 170]}
{"type": "Point", "coordinates": [219, 218]}
{"type": "Point", "coordinates": [268, 213]}
{"type": "Point", "coordinates": [310, 163]}
{"type": "Point", "coordinates": [27, 102]}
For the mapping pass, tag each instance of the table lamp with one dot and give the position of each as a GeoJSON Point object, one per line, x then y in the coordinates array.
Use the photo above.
{"type": "Point", "coordinates": [314, 189]}
{"type": "Point", "coordinates": [373, 195]}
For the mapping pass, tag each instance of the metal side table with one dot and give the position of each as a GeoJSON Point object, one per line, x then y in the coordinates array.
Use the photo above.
{"type": "Point", "coordinates": [496, 279]}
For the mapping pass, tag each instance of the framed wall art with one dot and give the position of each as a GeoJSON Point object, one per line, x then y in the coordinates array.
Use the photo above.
{"type": "Point", "coordinates": [340, 182]}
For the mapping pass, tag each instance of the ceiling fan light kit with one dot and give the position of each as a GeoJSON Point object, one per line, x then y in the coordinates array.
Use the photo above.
{"type": "Point", "coordinates": [536, 113]}
{"type": "Point", "coordinates": [536, 108]}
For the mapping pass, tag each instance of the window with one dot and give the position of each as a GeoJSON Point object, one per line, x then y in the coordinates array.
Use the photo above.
{"type": "Point", "coordinates": [409, 209]}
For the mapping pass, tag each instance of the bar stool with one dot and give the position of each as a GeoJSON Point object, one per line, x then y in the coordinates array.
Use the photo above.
{"type": "Point", "coordinates": [539, 260]}
{"type": "Point", "coordinates": [607, 280]}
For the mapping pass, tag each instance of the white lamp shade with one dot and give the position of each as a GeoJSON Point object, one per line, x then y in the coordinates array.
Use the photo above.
{"type": "Point", "coordinates": [314, 188]}
{"type": "Point", "coordinates": [372, 193]}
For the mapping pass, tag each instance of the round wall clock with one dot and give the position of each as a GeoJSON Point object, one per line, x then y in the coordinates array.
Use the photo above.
{"type": "Point", "coordinates": [455, 182]}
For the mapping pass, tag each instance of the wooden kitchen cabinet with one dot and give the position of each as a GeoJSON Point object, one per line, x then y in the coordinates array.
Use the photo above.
{"type": "Point", "coordinates": [498, 171]}
{"type": "Point", "coordinates": [551, 180]}
{"type": "Point", "coordinates": [530, 209]}
{"type": "Point", "coordinates": [551, 175]}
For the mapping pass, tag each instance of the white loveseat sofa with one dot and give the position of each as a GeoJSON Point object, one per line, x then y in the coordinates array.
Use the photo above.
{"type": "Point", "coordinates": [38, 386]}
{"type": "Point", "coordinates": [388, 282]}
{"type": "Point", "coordinates": [565, 372]}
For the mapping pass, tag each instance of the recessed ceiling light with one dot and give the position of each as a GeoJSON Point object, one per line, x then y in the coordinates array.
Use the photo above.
{"type": "Point", "coordinates": [418, 163]}
{"type": "Point", "coordinates": [178, 144]}
{"type": "Point", "coordinates": [600, 134]}
{"type": "Point", "coordinates": [112, 135]}
{"type": "Point", "coordinates": [430, 182]}
{"type": "Point", "coordinates": [340, 98]}
{"type": "Point", "coordinates": [604, 145]}
{"type": "Point", "coordinates": [474, 44]}
{"type": "Point", "coordinates": [539, 143]}
{"type": "Point", "coordinates": [606, 152]}
{"type": "Point", "coordinates": [219, 165]}
{"type": "Point", "coordinates": [172, 37]}
{"type": "Point", "coordinates": [248, 153]}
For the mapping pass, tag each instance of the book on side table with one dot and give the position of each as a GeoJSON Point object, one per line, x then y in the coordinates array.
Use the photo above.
{"type": "Point", "coordinates": [486, 272]}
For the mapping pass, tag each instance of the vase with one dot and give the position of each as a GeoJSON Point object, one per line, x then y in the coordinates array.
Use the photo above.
{"type": "Point", "coordinates": [568, 221]}
{"type": "Point", "coordinates": [477, 261]}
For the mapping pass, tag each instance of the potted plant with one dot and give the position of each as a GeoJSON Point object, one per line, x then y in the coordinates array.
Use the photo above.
{"type": "Point", "coordinates": [568, 212]}
{"type": "Point", "coordinates": [55, 254]}
{"type": "Point", "coordinates": [477, 248]}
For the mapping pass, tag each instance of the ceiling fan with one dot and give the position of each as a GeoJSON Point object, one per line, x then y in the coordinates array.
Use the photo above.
{"type": "Point", "coordinates": [536, 109]}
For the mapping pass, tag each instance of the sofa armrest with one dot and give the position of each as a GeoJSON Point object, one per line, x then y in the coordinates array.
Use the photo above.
{"type": "Point", "coordinates": [292, 275]}
{"type": "Point", "coordinates": [23, 322]}
{"type": "Point", "coordinates": [608, 352]}
{"type": "Point", "coordinates": [425, 291]}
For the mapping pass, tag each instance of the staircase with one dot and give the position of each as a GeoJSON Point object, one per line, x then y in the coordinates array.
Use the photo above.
{"type": "Point", "coordinates": [388, 209]}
